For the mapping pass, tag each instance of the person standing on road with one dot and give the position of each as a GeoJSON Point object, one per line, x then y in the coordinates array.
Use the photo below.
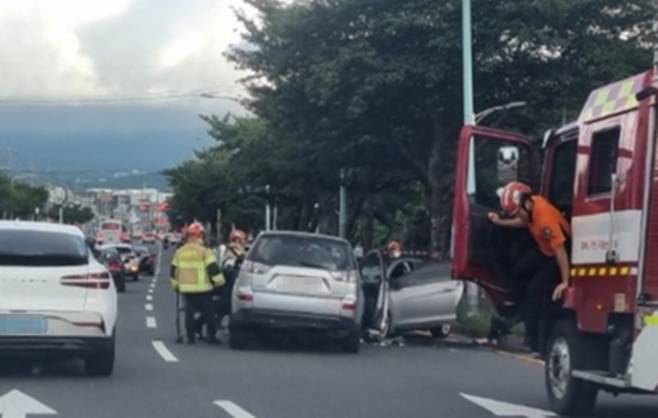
{"type": "Point", "coordinates": [543, 267]}
{"type": "Point", "coordinates": [194, 273]}
{"type": "Point", "coordinates": [233, 256]}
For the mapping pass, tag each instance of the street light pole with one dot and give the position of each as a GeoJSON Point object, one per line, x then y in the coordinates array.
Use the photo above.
{"type": "Point", "coordinates": [467, 57]}
{"type": "Point", "coordinates": [469, 116]}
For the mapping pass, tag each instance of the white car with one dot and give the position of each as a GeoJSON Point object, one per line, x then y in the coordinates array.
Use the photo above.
{"type": "Point", "coordinates": [55, 297]}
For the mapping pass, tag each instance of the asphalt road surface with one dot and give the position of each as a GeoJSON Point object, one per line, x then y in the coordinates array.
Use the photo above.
{"type": "Point", "coordinates": [155, 377]}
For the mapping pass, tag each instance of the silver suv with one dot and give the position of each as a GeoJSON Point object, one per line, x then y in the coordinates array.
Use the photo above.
{"type": "Point", "coordinates": [300, 281]}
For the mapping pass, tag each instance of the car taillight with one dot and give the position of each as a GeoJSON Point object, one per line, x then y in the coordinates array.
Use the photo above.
{"type": "Point", "coordinates": [88, 281]}
{"type": "Point", "coordinates": [114, 265]}
{"type": "Point", "coordinates": [344, 276]}
{"type": "Point", "coordinates": [254, 267]}
{"type": "Point", "coordinates": [245, 297]}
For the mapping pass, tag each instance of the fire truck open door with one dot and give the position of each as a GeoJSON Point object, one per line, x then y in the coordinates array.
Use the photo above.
{"type": "Point", "coordinates": [488, 159]}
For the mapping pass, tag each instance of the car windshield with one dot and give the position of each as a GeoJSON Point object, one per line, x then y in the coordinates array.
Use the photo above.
{"type": "Point", "coordinates": [40, 248]}
{"type": "Point", "coordinates": [298, 251]}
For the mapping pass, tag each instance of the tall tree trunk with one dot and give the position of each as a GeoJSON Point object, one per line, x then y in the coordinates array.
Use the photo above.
{"type": "Point", "coordinates": [439, 179]}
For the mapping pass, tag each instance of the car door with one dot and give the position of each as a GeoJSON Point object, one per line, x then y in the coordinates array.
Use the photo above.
{"type": "Point", "coordinates": [425, 297]}
{"type": "Point", "coordinates": [487, 159]}
{"type": "Point", "coordinates": [375, 290]}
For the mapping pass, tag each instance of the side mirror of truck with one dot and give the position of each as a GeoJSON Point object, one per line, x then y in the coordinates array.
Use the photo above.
{"type": "Point", "coordinates": [646, 92]}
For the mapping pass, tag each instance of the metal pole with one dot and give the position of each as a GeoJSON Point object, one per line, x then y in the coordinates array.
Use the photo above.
{"type": "Point", "coordinates": [469, 117]}
{"type": "Point", "coordinates": [342, 206]}
{"type": "Point", "coordinates": [275, 217]}
{"type": "Point", "coordinates": [268, 209]}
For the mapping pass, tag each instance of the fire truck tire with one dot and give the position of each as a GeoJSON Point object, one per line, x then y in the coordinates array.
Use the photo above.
{"type": "Point", "coordinates": [567, 350]}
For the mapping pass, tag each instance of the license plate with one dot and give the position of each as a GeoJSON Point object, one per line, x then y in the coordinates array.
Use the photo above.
{"type": "Point", "coordinates": [23, 325]}
{"type": "Point", "coordinates": [300, 285]}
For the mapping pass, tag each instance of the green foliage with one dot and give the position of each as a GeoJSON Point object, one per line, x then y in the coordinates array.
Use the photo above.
{"type": "Point", "coordinates": [19, 200]}
{"type": "Point", "coordinates": [73, 214]}
{"type": "Point", "coordinates": [375, 87]}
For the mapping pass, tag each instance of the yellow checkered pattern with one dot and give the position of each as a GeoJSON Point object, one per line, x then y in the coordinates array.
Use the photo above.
{"type": "Point", "coordinates": [614, 98]}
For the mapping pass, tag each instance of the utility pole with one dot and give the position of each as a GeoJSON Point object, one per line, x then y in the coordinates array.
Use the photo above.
{"type": "Point", "coordinates": [469, 115]}
{"type": "Point", "coordinates": [342, 206]}
{"type": "Point", "coordinates": [467, 55]}
{"type": "Point", "coordinates": [268, 209]}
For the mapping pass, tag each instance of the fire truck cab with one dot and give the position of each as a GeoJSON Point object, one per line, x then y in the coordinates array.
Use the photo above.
{"type": "Point", "coordinates": [601, 172]}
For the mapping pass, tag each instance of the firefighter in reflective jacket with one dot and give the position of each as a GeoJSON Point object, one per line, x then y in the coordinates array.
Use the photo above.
{"type": "Point", "coordinates": [194, 273]}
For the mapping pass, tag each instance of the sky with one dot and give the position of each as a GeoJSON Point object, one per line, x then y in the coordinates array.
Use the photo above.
{"type": "Point", "coordinates": [81, 78]}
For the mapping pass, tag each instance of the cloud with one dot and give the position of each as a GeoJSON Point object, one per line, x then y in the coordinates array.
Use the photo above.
{"type": "Point", "coordinates": [72, 48]}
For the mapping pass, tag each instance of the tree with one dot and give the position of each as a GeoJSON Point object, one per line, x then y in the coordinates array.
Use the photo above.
{"type": "Point", "coordinates": [72, 214]}
{"type": "Point", "coordinates": [373, 84]}
{"type": "Point", "coordinates": [20, 200]}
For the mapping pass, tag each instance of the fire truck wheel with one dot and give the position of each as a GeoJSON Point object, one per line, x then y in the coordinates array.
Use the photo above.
{"type": "Point", "coordinates": [567, 351]}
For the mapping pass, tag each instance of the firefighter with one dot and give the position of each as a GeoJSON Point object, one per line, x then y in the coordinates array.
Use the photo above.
{"type": "Point", "coordinates": [233, 256]}
{"type": "Point", "coordinates": [546, 269]}
{"type": "Point", "coordinates": [194, 273]}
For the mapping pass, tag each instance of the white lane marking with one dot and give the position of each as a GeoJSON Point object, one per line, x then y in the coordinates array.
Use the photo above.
{"type": "Point", "coordinates": [150, 322]}
{"type": "Point", "coordinates": [148, 306]}
{"type": "Point", "coordinates": [233, 410]}
{"type": "Point", "coordinates": [158, 260]}
{"type": "Point", "coordinates": [150, 290]}
{"type": "Point", "coordinates": [505, 409]}
{"type": "Point", "coordinates": [16, 404]}
{"type": "Point", "coordinates": [164, 352]}
{"type": "Point", "coordinates": [152, 285]}
{"type": "Point", "coordinates": [149, 297]}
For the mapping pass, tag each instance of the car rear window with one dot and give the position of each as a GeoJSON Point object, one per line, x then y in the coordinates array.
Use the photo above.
{"type": "Point", "coordinates": [298, 251]}
{"type": "Point", "coordinates": [40, 248]}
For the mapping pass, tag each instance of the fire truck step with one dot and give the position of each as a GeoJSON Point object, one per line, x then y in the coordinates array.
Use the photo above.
{"type": "Point", "coordinates": [601, 377]}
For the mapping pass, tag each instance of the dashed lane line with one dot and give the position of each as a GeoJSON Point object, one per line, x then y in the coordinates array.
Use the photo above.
{"type": "Point", "coordinates": [150, 290]}
{"type": "Point", "coordinates": [164, 352]}
{"type": "Point", "coordinates": [149, 298]}
{"type": "Point", "coordinates": [148, 307]}
{"type": "Point", "coordinates": [233, 409]}
{"type": "Point", "coordinates": [150, 322]}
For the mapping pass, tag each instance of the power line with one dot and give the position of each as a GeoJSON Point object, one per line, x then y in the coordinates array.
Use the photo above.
{"type": "Point", "coordinates": [163, 96]}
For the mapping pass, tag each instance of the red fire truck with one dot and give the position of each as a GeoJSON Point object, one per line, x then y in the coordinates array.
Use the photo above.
{"type": "Point", "coordinates": [601, 171]}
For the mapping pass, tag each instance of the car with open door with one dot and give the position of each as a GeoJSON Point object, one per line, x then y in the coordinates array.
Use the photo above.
{"type": "Point", "coordinates": [413, 295]}
{"type": "Point", "coordinates": [298, 282]}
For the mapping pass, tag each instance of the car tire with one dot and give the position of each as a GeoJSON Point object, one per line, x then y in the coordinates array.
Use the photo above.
{"type": "Point", "coordinates": [121, 285]}
{"type": "Point", "coordinates": [237, 338]}
{"type": "Point", "coordinates": [568, 350]}
{"type": "Point", "coordinates": [352, 343]}
{"type": "Point", "coordinates": [441, 332]}
{"type": "Point", "coordinates": [101, 362]}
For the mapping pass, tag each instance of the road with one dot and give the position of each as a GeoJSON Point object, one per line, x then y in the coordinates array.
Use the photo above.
{"type": "Point", "coordinates": [154, 377]}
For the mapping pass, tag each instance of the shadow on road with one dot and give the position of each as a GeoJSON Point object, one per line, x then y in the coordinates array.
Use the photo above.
{"type": "Point", "coordinates": [21, 367]}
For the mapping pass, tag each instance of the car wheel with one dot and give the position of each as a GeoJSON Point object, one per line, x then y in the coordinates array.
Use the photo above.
{"type": "Point", "coordinates": [351, 343]}
{"type": "Point", "coordinates": [567, 351]}
{"type": "Point", "coordinates": [121, 285]}
{"type": "Point", "coordinates": [441, 332]}
{"type": "Point", "coordinates": [101, 362]}
{"type": "Point", "coordinates": [237, 338]}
